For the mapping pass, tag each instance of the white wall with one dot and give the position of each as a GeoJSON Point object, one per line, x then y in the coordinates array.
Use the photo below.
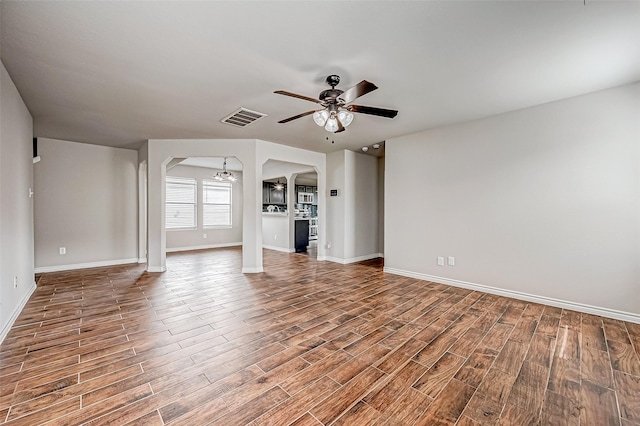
{"type": "Point", "coordinates": [335, 232]}
{"type": "Point", "coordinates": [275, 232]}
{"type": "Point", "coordinates": [362, 206]}
{"type": "Point", "coordinates": [16, 207]}
{"type": "Point", "coordinates": [381, 205]}
{"type": "Point", "coordinates": [86, 201]}
{"type": "Point", "coordinates": [539, 202]}
{"type": "Point", "coordinates": [218, 237]}
{"type": "Point", "coordinates": [352, 216]}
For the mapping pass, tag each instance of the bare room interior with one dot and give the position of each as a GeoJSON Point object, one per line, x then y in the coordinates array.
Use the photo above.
{"type": "Point", "coordinates": [320, 213]}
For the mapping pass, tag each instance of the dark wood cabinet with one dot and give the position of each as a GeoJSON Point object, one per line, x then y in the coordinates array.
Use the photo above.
{"type": "Point", "coordinates": [278, 196]}
{"type": "Point", "coordinates": [302, 235]}
{"type": "Point", "coordinates": [270, 195]}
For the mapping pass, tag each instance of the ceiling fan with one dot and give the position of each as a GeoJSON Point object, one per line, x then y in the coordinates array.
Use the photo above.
{"type": "Point", "coordinates": [337, 112]}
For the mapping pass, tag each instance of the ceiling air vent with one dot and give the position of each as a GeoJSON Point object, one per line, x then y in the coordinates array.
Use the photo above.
{"type": "Point", "coordinates": [243, 117]}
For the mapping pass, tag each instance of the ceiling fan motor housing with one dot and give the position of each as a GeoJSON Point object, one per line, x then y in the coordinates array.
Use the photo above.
{"type": "Point", "coordinates": [330, 95]}
{"type": "Point", "coordinates": [333, 80]}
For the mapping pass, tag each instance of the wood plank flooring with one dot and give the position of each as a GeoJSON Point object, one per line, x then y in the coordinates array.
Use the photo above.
{"type": "Point", "coordinates": [305, 343]}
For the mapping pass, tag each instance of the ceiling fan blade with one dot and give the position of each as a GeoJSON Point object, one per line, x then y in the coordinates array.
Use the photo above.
{"type": "Point", "coordinates": [295, 95]}
{"type": "Point", "coordinates": [295, 117]}
{"type": "Point", "coordinates": [358, 90]}
{"type": "Point", "coordinates": [381, 112]}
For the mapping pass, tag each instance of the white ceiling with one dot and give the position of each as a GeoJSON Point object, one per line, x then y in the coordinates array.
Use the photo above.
{"type": "Point", "coordinates": [118, 73]}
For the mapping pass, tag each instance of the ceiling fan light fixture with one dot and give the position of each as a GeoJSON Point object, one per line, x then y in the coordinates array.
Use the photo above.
{"type": "Point", "coordinates": [332, 124]}
{"type": "Point", "coordinates": [320, 117]}
{"type": "Point", "coordinates": [345, 117]}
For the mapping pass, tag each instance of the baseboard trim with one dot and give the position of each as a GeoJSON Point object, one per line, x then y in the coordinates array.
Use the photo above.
{"type": "Point", "coordinates": [252, 270]}
{"type": "Point", "coordinates": [156, 268]}
{"type": "Point", "coordinates": [352, 259]}
{"type": "Point", "coordinates": [16, 312]}
{"type": "Point", "coordinates": [558, 303]}
{"type": "Point", "coordinates": [205, 247]}
{"type": "Point", "coordinates": [282, 249]}
{"type": "Point", "coordinates": [71, 267]}
{"type": "Point", "coordinates": [142, 260]}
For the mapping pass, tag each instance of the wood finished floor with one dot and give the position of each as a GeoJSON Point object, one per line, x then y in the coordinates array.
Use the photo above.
{"type": "Point", "coordinates": [305, 343]}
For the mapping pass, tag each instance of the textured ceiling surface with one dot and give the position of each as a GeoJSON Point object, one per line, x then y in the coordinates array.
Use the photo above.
{"type": "Point", "coordinates": [119, 73]}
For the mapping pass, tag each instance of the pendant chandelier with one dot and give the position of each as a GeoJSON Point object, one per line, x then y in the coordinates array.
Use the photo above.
{"type": "Point", "coordinates": [278, 186]}
{"type": "Point", "coordinates": [224, 175]}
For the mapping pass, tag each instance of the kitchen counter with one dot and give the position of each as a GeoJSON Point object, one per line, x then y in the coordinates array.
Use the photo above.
{"type": "Point", "coordinates": [301, 218]}
{"type": "Point", "coordinates": [283, 214]}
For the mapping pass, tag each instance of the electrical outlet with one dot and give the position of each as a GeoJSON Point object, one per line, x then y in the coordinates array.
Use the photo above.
{"type": "Point", "coordinates": [204, 236]}
{"type": "Point", "coordinates": [440, 261]}
{"type": "Point", "coordinates": [275, 237]}
{"type": "Point", "coordinates": [62, 250]}
{"type": "Point", "coordinates": [451, 261]}
{"type": "Point", "coordinates": [328, 245]}
{"type": "Point", "coordinates": [15, 282]}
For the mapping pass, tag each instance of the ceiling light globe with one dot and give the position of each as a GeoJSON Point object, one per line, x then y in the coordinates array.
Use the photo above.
{"type": "Point", "coordinates": [332, 125]}
{"type": "Point", "coordinates": [345, 117]}
{"type": "Point", "coordinates": [320, 117]}
{"type": "Point", "coordinates": [365, 148]}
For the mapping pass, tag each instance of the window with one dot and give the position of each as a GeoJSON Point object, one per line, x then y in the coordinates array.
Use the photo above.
{"type": "Point", "coordinates": [180, 203]}
{"type": "Point", "coordinates": [216, 204]}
